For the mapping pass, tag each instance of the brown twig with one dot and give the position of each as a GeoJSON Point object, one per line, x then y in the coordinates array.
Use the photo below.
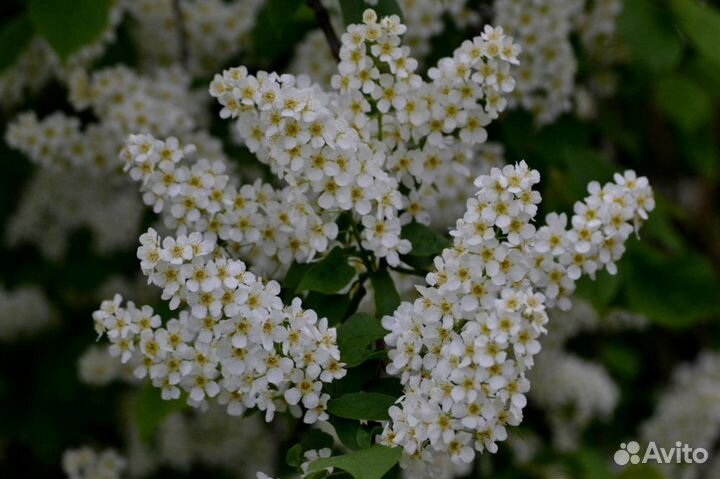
{"type": "Point", "coordinates": [182, 33]}
{"type": "Point", "coordinates": [323, 19]}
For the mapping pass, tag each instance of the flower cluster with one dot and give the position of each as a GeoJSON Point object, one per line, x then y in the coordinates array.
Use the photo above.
{"type": "Point", "coordinates": [688, 412]}
{"type": "Point", "coordinates": [215, 31]}
{"type": "Point", "coordinates": [462, 348]}
{"type": "Point", "coordinates": [214, 439]}
{"type": "Point", "coordinates": [23, 311]}
{"type": "Point", "coordinates": [38, 63]}
{"type": "Point", "coordinates": [546, 83]}
{"type": "Point", "coordinates": [235, 339]}
{"type": "Point", "coordinates": [66, 193]}
{"type": "Point", "coordinates": [98, 368]}
{"type": "Point", "coordinates": [385, 138]}
{"type": "Point", "coordinates": [271, 226]}
{"type": "Point", "coordinates": [546, 77]}
{"type": "Point", "coordinates": [597, 27]}
{"type": "Point", "coordinates": [124, 102]}
{"type": "Point", "coordinates": [31, 71]}
{"type": "Point", "coordinates": [424, 20]}
{"type": "Point", "coordinates": [85, 463]}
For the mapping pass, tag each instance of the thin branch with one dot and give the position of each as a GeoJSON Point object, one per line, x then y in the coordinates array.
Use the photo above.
{"type": "Point", "coordinates": [357, 296]}
{"type": "Point", "coordinates": [182, 33]}
{"type": "Point", "coordinates": [413, 272]}
{"type": "Point", "coordinates": [366, 259]}
{"type": "Point", "coordinates": [323, 19]}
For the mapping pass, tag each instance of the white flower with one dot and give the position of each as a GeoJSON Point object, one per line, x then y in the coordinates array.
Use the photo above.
{"type": "Point", "coordinates": [463, 348]}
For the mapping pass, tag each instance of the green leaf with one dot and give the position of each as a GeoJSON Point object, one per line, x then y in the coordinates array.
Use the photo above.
{"type": "Point", "coordinates": [370, 463]}
{"type": "Point", "coordinates": [68, 28]}
{"type": "Point", "coordinates": [621, 360]}
{"type": "Point", "coordinates": [659, 226]}
{"type": "Point", "coordinates": [355, 335]}
{"type": "Point", "coordinates": [390, 386]}
{"type": "Point", "coordinates": [701, 23]}
{"type": "Point", "coordinates": [647, 29]}
{"type": "Point", "coordinates": [360, 330]}
{"type": "Point", "coordinates": [151, 410]}
{"type": "Point", "coordinates": [602, 291]}
{"type": "Point", "coordinates": [294, 275]}
{"type": "Point", "coordinates": [316, 439]}
{"type": "Point", "coordinates": [362, 406]}
{"type": "Point", "coordinates": [270, 45]}
{"type": "Point", "coordinates": [685, 102]}
{"type": "Point", "coordinates": [329, 275]}
{"type": "Point", "coordinates": [281, 12]}
{"type": "Point", "coordinates": [425, 242]}
{"type": "Point", "coordinates": [352, 10]}
{"type": "Point", "coordinates": [387, 298]}
{"type": "Point", "coordinates": [294, 456]}
{"type": "Point", "coordinates": [592, 464]}
{"type": "Point", "coordinates": [351, 433]}
{"type": "Point", "coordinates": [356, 358]}
{"type": "Point", "coordinates": [675, 291]}
{"type": "Point", "coordinates": [330, 306]}
{"type": "Point", "coordinates": [703, 152]}
{"type": "Point", "coordinates": [353, 381]}
{"type": "Point", "coordinates": [15, 35]}
{"type": "Point", "coordinates": [584, 166]}
{"type": "Point", "coordinates": [317, 475]}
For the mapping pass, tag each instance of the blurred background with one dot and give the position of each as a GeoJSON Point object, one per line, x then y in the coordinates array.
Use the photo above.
{"type": "Point", "coordinates": [603, 86]}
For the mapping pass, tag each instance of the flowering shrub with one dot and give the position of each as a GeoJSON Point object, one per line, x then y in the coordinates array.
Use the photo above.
{"type": "Point", "coordinates": [462, 348]}
{"type": "Point", "coordinates": [376, 238]}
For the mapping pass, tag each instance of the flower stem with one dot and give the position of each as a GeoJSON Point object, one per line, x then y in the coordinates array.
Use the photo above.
{"type": "Point", "coordinates": [323, 19]}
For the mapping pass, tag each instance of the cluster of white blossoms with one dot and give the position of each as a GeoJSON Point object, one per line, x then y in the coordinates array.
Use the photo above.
{"type": "Point", "coordinates": [31, 71]}
{"type": "Point", "coordinates": [215, 31]}
{"type": "Point", "coordinates": [214, 439]}
{"type": "Point", "coordinates": [384, 139]}
{"type": "Point", "coordinates": [546, 84]}
{"type": "Point", "coordinates": [85, 463]}
{"type": "Point", "coordinates": [24, 311]}
{"type": "Point", "coordinates": [424, 20]}
{"type": "Point", "coordinates": [234, 340]}
{"type": "Point", "coordinates": [271, 226]}
{"type": "Point", "coordinates": [128, 102]}
{"type": "Point", "coordinates": [688, 412]}
{"type": "Point", "coordinates": [55, 203]}
{"type": "Point", "coordinates": [38, 63]}
{"type": "Point", "coordinates": [546, 77]}
{"type": "Point", "coordinates": [598, 29]}
{"type": "Point", "coordinates": [97, 367]}
{"type": "Point", "coordinates": [123, 101]}
{"type": "Point", "coordinates": [462, 349]}
{"type": "Point", "coordinates": [67, 192]}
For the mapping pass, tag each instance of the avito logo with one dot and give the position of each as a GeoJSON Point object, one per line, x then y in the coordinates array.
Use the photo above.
{"type": "Point", "coordinates": [680, 454]}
